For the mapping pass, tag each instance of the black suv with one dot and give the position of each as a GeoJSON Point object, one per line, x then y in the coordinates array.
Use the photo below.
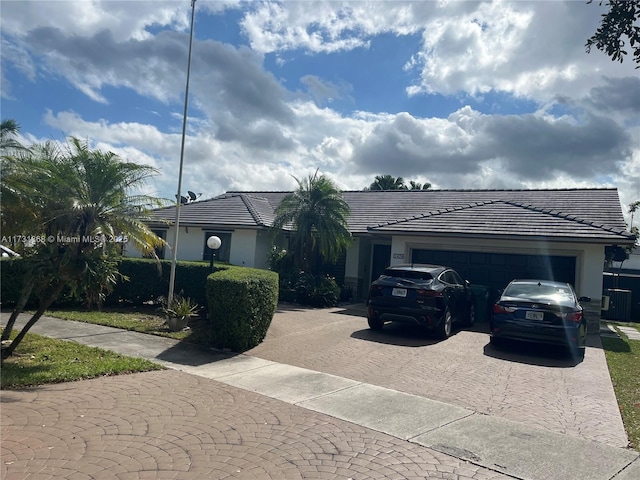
{"type": "Point", "coordinates": [431, 296]}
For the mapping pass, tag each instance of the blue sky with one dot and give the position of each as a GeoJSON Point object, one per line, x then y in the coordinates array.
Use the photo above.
{"type": "Point", "coordinates": [459, 94]}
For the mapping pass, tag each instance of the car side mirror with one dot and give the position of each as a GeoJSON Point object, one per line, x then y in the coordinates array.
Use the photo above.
{"type": "Point", "coordinates": [467, 283]}
{"type": "Point", "coordinates": [584, 299]}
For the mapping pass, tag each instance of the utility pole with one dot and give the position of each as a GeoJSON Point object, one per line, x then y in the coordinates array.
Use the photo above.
{"type": "Point", "coordinates": [174, 258]}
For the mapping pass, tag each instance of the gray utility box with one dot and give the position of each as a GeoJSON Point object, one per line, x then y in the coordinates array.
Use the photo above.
{"type": "Point", "coordinates": [616, 304]}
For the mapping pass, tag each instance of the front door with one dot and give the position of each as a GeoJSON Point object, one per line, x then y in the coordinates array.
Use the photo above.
{"type": "Point", "coordinates": [381, 260]}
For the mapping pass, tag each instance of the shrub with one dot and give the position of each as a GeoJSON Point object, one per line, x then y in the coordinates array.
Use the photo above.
{"type": "Point", "coordinates": [146, 283]}
{"type": "Point", "coordinates": [281, 262]}
{"type": "Point", "coordinates": [317, 290]}
{"type": "Point", "coordinates": [242, 302]}
{"type": "Point", "coordinates": [140, 281]}
{"type": "Point", "coordinates": [304, 288]}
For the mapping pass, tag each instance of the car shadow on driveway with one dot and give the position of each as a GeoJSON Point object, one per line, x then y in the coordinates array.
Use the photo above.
{"type": "Point", "coordinates": [352, 309]}
{"type": "Point", "coordinates": [400, 335]}
{"type": "Point", "coordinates": [532, 354]}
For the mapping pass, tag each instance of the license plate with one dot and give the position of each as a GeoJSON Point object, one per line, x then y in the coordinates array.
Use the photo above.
{"type": "Point", "coordinates": [399, 292]}
{"type": "Point", "coordinates": [534, 315]}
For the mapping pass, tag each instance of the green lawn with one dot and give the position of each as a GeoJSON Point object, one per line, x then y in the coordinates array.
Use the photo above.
{"type": "Point", "coordinates": [623, 359]}
{"type": "Point", "coordinates": [138, 319]}
{"type": "Point", "coordinates": [39, 360]}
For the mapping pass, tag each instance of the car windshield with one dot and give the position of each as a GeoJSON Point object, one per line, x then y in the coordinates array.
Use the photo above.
{"type": "Point", "coordinates": [537, 292]}
{"type": "Point", "coordinates": [409, 274]}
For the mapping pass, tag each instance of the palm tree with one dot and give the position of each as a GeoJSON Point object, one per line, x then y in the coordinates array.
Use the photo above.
{"type": "Point", "coordinates": [10, 152]}
{"type": "Point", "coordinates": [9, 129]}
{"type": "Point", "coordinates": [633, 207]}
{"type": "Point", "coordinates": [418, 186]}
{"type": "Point", "coordinates": [79, 204]}
{"type": "Point", "coordinates": [317, 214]}
{"type": "Point", "coordinates": [387, 182]}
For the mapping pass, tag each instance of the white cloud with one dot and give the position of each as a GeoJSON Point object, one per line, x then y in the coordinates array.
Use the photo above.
{"type": "Point", "coordinates": [247, 131]}
{"type": "Point", "coordinates": [126, 20]}
{"type": "Point", "coordinates": [328, 26]}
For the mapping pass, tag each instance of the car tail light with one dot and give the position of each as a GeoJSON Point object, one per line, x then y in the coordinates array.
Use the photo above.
{"type": "Point", "coordinates": [497, 308]}
{"type": "Point", "coordinates": [573, 316]}
{"type": "Point", "coordinates": [428, 293]}
{"type": "Point", "coordinates": [375, 290]}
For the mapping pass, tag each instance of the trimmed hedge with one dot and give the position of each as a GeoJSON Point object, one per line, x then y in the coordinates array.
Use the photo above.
{"type": "Point", "coordinates": [242, 302]}
{"type": "Point", "coordinates": [146, 283]}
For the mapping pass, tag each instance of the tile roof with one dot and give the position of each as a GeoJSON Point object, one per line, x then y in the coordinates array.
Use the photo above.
{"type": "Point", "coordinates": [501, 218]}
{"type": "Point", "coordinates": [226, 210]}
{"type": "Point", "coordinates": [589, 214]}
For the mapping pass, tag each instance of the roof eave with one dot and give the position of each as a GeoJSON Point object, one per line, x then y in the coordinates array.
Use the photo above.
{"type": "Point", "coordinates": [620, 240]}
{"type": "Point", "coordinates": [207, 226]}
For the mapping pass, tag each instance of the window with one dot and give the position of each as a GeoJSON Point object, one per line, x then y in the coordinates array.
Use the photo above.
{"type": "Point", "coordinates": [450, 277]}
{"type": "Point", "coordinates": [163, 235]}
{"type": "Point", "coordinates": [408, 274]}
{"type": "Point", "coordinates": [223, 254]}
{"type": "Point", "coordinates": [457, 279]}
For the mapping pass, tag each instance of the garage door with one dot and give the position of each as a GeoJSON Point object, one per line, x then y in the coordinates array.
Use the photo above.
{"type": "Point", "coordinates": [495, 270]}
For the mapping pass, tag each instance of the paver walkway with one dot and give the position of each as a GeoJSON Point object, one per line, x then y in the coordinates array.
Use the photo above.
{"type": "Point", "coordinates": [172, 425]}
{"type": "Point", "coordinates": [630, 332]}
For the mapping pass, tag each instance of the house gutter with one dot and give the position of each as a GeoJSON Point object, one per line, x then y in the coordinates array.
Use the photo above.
{"type": "Point", "coordinates": [620, 240]}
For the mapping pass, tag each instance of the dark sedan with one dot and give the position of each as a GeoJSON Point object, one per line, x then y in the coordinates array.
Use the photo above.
{"type": "Point", "coordinates": [540, 311]}
{"type": "Point", "coordinates": [431, 296]}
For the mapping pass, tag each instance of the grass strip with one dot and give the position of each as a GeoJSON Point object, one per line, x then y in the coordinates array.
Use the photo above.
{"type": "Point", "coordinates": [40, 360]}
{"type": "Point", "coordinates": [146, 320]}
{"type": "Point", "coordinates": [623, 359]}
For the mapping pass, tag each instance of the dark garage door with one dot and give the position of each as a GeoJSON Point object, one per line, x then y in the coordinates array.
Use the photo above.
{"type": "Point", "coordinates": [495, 270]}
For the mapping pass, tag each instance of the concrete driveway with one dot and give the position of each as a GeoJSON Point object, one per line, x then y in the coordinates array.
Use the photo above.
{"type": "Point", "coordinates": [536, 386]}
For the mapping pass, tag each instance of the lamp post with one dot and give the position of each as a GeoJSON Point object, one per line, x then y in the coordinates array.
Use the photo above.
{"type": "Point", "coordinates": [213, 243]}
{"type": "Point", "coordinates": [174, 258]}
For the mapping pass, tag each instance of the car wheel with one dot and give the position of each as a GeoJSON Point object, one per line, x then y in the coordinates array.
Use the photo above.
{"type": "Point", "coordinates": [375, 323]}
{"type": "Point", "coordinates": [472, 316]}
{"type": "Point", "coordinates": [445, 324]}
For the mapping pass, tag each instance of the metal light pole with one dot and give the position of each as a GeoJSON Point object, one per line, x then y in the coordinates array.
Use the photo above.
{"type": "Point", "coordinates": [174, 259]}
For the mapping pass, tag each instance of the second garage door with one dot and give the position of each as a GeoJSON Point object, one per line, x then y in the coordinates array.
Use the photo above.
{"type": "Point", "coordinates": [495, 270]}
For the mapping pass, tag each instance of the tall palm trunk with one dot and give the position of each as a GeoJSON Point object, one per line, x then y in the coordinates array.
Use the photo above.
{"type": "Point", "coordinates": [44, 305]}
{"type": "Point", "coordinates": [22, 302]}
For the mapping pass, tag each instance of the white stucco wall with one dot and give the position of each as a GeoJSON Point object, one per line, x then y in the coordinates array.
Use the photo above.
{"type": "Point", "coordinates": [247, 248]}
{"type": "Point", "coordinates": [243, 248]}
{"type": "Point", "coordinates": [352, 259]}
{"type": "Point", "coordinates": [589, 258]}
{"type": "Point", "coordinates": [190, 244]}
{"type": "Point", "coordinates": [264, 243]}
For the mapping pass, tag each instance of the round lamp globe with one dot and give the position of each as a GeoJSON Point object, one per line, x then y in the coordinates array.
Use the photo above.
{"type": "Point", "coordinates": [214, 242]}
